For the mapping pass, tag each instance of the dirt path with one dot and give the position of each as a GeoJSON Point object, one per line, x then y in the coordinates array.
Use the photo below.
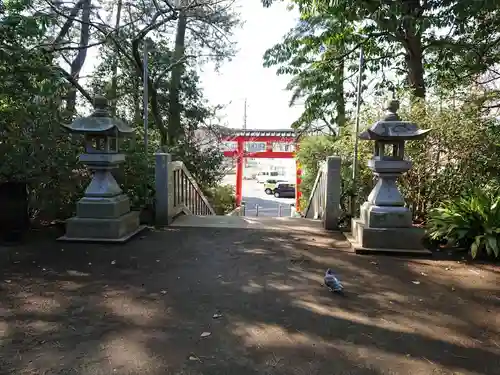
{"type": "Point", "coordinates": [141, 308]}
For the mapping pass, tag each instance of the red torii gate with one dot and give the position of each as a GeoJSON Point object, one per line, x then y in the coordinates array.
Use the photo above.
{"type": "Point", "coordinates": [269, 137]}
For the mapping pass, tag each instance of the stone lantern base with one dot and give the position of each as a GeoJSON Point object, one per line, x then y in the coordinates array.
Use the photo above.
{"type": "Point", "coordinates": [403, 239]}
{"type": "Point", "coordinates": [103, 220]}
{"type": "Point", "coordinates": [385, 225]}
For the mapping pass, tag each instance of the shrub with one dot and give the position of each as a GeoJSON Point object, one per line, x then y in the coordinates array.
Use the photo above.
{"type": "Point", "coordinates": [315, 149]}
{"type": "Point", "coordinates": [460, 151]}
{"type": "Point", "coordinates": [222, 198]}
{"type": "Point", "coordinates": [471, 221]}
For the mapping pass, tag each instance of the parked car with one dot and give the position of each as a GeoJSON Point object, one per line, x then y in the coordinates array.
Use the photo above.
{"type": "Point", "coordinates": [270, 185]}
{"type": "Point", "coordinates": [284, 190]}
{"type": "Point", "coordinates": [263, 176]}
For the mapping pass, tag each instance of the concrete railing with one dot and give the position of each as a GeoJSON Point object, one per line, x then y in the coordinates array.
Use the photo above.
{"type": "Point", "coordinates": [324, 202]}
{"type": "Point", "coordinates": [176, 191]}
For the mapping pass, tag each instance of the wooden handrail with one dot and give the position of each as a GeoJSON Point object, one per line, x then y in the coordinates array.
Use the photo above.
{"type": "Point", "coordinates": [188, 197]}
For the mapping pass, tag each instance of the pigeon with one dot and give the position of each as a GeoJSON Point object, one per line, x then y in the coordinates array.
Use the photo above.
{"type": "Point", "coordinates": [332, 283]}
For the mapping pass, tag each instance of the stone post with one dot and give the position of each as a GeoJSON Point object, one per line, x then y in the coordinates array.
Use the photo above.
{"type": "Point", "coordinates": [162, 189]}
{"type": "Point", "coordinates": [333, 185]}
{"type": "Point", "coordinates": [385, 223]}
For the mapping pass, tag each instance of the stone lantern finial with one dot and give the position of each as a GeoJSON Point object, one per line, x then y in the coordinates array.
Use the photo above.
{"type": "Point", "coordinates": [392, 108]}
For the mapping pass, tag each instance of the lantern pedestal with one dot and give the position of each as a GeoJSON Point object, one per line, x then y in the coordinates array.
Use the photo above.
{"type": "Point", "coordinates": [367, 240]}
{"type": "Point", "coordinates": [385, 225]}
{"type": "Point", "coordinates": [103, 214]}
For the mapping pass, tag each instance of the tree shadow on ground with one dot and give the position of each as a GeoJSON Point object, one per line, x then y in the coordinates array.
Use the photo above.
{"type": "Point", "coordinates": [141, 308]}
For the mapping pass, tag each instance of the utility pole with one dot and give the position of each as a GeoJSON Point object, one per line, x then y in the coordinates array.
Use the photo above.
{"type": "Point", "coordinates": [145, 93]}
{"type": "Point", "coordinates": [114, 79]}
{"type": "Point", "coordinates": [356, 131]}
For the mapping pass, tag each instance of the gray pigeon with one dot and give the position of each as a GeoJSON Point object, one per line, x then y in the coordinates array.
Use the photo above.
{"type": "Point", "coordinates": [332, 283]}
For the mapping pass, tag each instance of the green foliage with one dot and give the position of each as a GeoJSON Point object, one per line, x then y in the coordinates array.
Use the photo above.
{"type": "Point", "coordinates": [319, 81]}
{"type": "Point", "coordinates": [222, 198]}
{"type": "Point", "coordinates": [137, 177]}
{"type": "Point", "coordinates": [315, 149]}
{"type": "Point", "coordinates": [205, 162]}
{"type": "Point", "coordinates": [471, 221]}
{"type": "Point", "coordinates": [395, 31]}
{"type": "Point", "coordinates": [424, 46]}
{"type": "Point", "coordinates": [33, 148]}
{"type": "Point", "coordinates": [33, 90]}
{"type": "Point", "coordinates": [461, 150]}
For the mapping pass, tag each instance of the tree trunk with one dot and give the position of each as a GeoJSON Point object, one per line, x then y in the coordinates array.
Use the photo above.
{"type": "Point", "coordinates": [411, 37]}
{"type": "Point", "coordinates": [174, 116]}
{"type": "Point", "coordinates": [77, 64]}
{"type": "Point", "coordinates": [415, 66]}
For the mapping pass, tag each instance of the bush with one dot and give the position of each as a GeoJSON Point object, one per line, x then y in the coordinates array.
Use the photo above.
{"type": "Point", "coordinates": [222, 198]}
{"type": "Point", "coordinates": [315, 149]}
{"type": "Point", "coordinates": [471, 221]}
{"type": "Point", "coordinates": [460, 151]}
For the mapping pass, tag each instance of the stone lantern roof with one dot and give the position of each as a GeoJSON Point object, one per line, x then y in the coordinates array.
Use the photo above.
{"type": "Point", "coordinates": [99, 122]}
{"type": "Point", "coordinates": [392, 128]}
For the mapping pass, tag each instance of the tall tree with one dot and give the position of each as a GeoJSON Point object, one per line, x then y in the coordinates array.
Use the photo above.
{"type": "Point", "coordinates": [308, 54]}
{"type": "Point", "coordinates": [422, 42]}
{"type": "Point", "coordinates": [206, 29]}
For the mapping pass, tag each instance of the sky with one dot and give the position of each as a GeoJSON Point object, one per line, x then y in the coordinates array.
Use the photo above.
{"type": "Point", "coordinates": [245, 77]}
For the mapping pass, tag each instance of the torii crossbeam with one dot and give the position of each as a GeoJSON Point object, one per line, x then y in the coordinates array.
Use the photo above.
{"type": "Point", "coordinates": [270, 138]}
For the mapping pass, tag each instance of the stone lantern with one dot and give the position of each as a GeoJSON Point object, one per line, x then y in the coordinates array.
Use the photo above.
{"type": "Point", "coordinates": [385, 224]}
{"type": "Point", "coordinates": [103, 214]}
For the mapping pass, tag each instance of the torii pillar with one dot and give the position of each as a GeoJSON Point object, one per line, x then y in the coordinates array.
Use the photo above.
{"type": "Point", "coordinates": [240, 150]}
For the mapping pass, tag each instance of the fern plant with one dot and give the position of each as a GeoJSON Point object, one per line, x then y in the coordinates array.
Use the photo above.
{"type": "Point", "coordinates": [471, 221]}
